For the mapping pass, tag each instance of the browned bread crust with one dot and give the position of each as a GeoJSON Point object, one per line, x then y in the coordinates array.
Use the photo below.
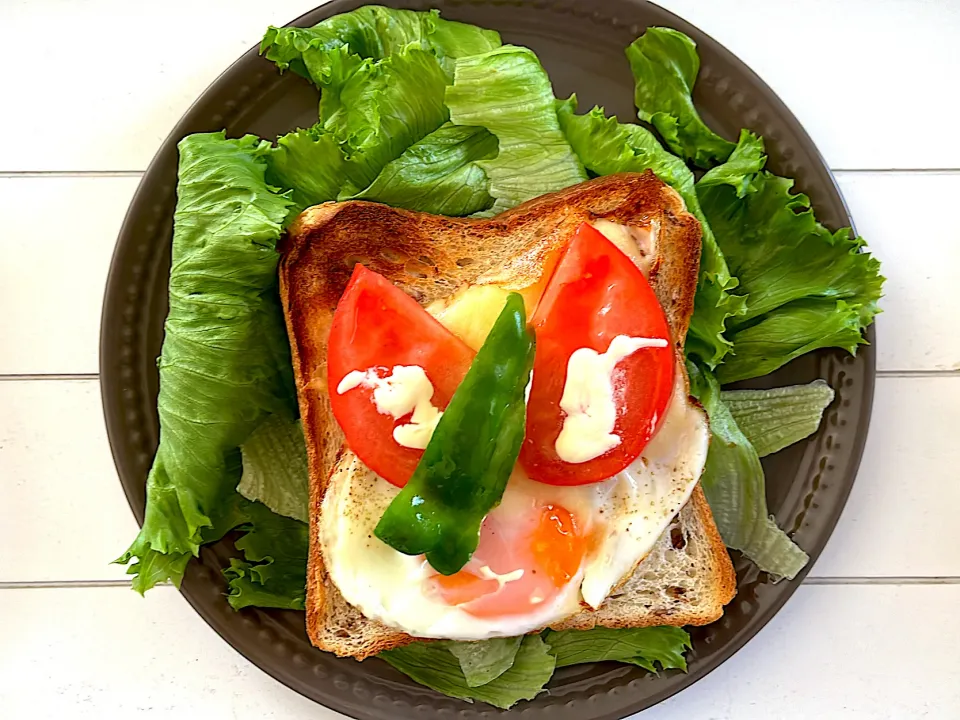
{"type": "Point", "coordinates": [429, 256]}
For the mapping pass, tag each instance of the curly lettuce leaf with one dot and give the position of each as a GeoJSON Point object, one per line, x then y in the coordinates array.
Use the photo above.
{"type": "Point", "coordinates": [440, 174]}
{"type": "Point", "coordinates": [807, 287]}
{"type": "Point", "coordinates": [225, 361]}
{"type": "Point", "coordinates": [507, 92]}
{"type": "Point", "coordinates": [453, 40]}
{"type": "Point", "coordinates": [647, 647]}
{"type": "Point", "coordinates": [485, 660]}
{"type": "Point", "coordinates": [503, 671]}
{"type": "Point", "coordinates": [735, 487]}
{"type": "Point", "coordinates": [332, 71]}
{"type": "Point", "coordinates": [275, 469]}
{"type": "Point", "coordinates": [777, 418]}
{"type": "Point", "coordinates": [151, 568]}
{"type": "Point", "coordinates": [789, 267]}
{"type": "Point", "coordinates": [665, 64]}
{"type": "Point", "coordinates": [373, 32]}
{"type": "Point", "coordinates": [368, 32]}
{"type": "Point", "coordinates": [431, 664]}
{"type": "Point", "coordinates": [386, 107]}
{"type": "Point", "coordinates": [746, 160]}
{"type": "Point", "coordinates": [793, 330]}
{"type": "Point", "coordinates": [382, 75]}
{"type": "Point", "coordinates": [273, 572]}
{"type": "Point", "coordinates": [379, 136]}
{"type": "Point", "coordinates": [308, 162]}
{"type": "Point", "coordinates": [606, 147]}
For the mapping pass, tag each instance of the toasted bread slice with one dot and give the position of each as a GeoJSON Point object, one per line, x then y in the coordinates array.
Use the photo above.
{"type": "Point", "coordinates": [688, 577]}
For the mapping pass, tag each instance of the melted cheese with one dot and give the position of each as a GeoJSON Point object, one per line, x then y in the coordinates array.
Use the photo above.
{"type": "Point", "coordinates": [637, 243]}
{"type": "Point", "coordinates": [471, 311]}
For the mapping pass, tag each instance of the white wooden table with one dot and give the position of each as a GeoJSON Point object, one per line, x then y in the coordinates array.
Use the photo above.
{"type": "Point", "coordinates": [91, 87]}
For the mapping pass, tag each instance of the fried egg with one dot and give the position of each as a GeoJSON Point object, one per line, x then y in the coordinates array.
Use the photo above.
{"type": "Point", "coordinates": [524, 574]}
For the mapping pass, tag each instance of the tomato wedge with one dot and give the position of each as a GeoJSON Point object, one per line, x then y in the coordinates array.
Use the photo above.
{"type": "Point", "coordinates": [596, 294]}
{"type": "Point", "coordinates": [376, 327]}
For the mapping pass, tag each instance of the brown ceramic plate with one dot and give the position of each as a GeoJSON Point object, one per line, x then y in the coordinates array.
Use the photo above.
{"type": "Point", "coordinates": [581, 46]}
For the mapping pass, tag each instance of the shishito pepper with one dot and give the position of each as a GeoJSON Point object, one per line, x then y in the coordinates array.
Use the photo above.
{"type": "Point", "coordinates": [465, 466]}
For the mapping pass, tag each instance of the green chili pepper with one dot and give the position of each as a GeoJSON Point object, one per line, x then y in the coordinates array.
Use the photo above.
{"type": "Point", "coordinates": [465, 466]}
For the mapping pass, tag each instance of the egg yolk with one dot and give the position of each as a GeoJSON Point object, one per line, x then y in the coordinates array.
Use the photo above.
{"type": "Point", "coordinates": [519, 564]}
{"type": "Point", "coordinates": [558, 545]}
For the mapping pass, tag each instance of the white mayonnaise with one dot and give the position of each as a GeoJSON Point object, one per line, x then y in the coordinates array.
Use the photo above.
{"type": "Point", "coordinates": [588, 401]}
{"type": "Point", "coordinates": [404, 390]}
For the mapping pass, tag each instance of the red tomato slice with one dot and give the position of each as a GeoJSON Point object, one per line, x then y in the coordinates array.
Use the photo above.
{"type": "Point", "coordinates": [595, 294]}
{"type": "Point", "coordinates": [378, 326]}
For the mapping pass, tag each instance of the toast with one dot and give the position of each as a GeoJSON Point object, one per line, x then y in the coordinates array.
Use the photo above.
{"type": "Point", "coordinates": [688, 577]}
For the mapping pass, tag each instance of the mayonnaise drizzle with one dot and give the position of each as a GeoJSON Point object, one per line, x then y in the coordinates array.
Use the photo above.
{"type": "Point", "coordinates": [404, 390]}
{"type": "Point", "coordinates": [588, 400]}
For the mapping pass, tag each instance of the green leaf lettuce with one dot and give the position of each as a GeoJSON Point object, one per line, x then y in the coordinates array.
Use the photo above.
{"type": "Point", "coordinates": [382, 109]}
{"type": "Point", "coordinates": [734, 484]}
{"type": "Point", "coordinates": [225, 362]}
{"type": "Point", "coordinates": [382, 73]}
{"type": "Point", "coordinates": [507, 92]}
{"type": "Point", "coordinates": [373, 32]}
{"type": "Point", "coordinates": [440, 174]}
{"type": "Point", "coordinates": [665, 64]}
{"type": "Point", "coordinates": [308, 162]}
{"type": "Point", "coordinates": [485, 660]}
{"type": "Point", "coordinates": [777, 418]}
{"type": "Point", "coordinates": [274, 569]}
{"type": "Point", "coordinates": [275, 470]}
{"type": "Point", "coordinates": [606, 147]}
{"type": "Point", "coordinates": [503, 671]}
{"type": "Point", "coordinates": [807, 288]}
{"type": "Point", "coordinates": [646, 647]}
{"type": "Point", "coordinates": [431, 664]}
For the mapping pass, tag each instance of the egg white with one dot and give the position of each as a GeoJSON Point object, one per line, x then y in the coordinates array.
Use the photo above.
{"type": "Point", "coordinates": [638, 504]}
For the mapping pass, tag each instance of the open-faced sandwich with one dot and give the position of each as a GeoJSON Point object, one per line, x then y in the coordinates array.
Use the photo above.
{"type": "Point", "coordinates": [569, 447]}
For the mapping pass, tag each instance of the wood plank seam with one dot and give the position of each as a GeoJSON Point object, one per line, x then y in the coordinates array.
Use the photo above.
{"type": "Point", "coordinates": [33, 174]}
{"type": "Point", "coordinates": [13, 377]}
